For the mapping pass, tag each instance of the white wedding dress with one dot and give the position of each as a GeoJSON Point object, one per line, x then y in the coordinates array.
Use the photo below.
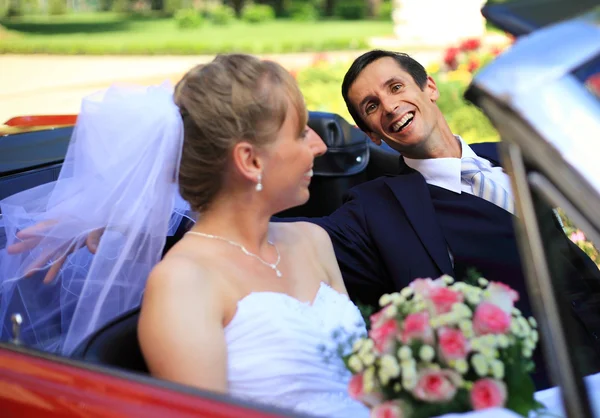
{"type": "Point", "coordinates": [275, 356]}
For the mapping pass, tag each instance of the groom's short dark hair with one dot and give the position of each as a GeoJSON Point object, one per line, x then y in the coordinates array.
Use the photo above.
{"type": "Point", "coordinates": [405, 61]}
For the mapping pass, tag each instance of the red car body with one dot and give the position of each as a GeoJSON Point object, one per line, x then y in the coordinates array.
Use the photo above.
{"type": "Point", "coordinates": [40, 385]}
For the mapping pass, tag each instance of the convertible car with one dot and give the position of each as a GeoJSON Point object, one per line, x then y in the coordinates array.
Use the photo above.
{"type": "Point", "coordinates": [543, 95]}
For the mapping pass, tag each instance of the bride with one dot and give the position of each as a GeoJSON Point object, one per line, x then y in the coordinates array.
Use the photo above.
{"type": "Point", "coordinates": [239, 305]}
{"type": "Point", "coordinates": [261, 296]}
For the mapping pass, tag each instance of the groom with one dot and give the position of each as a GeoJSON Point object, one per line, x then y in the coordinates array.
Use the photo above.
{"type": "Point", "coordinates": [450, 210]}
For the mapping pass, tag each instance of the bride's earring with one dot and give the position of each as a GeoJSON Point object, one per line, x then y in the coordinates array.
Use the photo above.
{"type": "Point", "coordinates": [259, 184]}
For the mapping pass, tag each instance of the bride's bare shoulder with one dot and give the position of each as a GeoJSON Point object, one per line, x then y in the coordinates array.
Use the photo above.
{"type": "Point", "coordinates": [306, 231]}
{"type": "Point", "coordinates": [309, 235]}
{"type": "Point", "coordinates": [179, 274]}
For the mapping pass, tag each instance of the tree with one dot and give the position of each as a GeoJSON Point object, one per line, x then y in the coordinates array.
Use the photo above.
{"type": "Point", "coordinates": [157, 4]}
{"type": "Point", "coordinates": [373, 7]}
{"type": "Point", "coordinates": [328, 7]}
{"type": "Point", "coordinates": [281, 7]}
{"type": "Point", "coordinates": [237, 5]}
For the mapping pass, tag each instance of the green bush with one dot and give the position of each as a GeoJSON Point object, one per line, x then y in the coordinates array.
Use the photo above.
{"type": "Point", "coordinates": [258, 13]}
{"type": "Point", "coordinates": [104, 5]}
{"type": "Point", "coordinates": [304, 12]}
{"type": "Point", "coordinates": [120, 6]}
{"type": "Point", "coordinates": [464, 119]}
{"type": "Point", "coordinates": [14, 10]}
{"type": "Point", "coordinates": [385, 11]}
{"type": "Point", "coordinates": [22, 7]}
{"type": "Point", "coordinates": [57, 7]}
{"type": "Point", "coordinates": [188, 19]}
{"type": "Point", "coordinates": [221, 15]}
{"type": "Point", "coordinates": [321, 87]}
{"type": "Point", "coordinates": [350, 9]}
{"type": "Point", "coordinates": [172, 6]}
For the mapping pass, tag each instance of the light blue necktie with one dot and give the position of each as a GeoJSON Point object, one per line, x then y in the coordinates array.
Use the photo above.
{"type": "Point", "coordinates": [484, 187]}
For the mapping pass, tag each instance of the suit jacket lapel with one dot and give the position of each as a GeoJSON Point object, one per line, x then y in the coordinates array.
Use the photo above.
{"type": "Point", "coordinates": [489, 151]}
{"type": "Point", "coordinates": [413, 194]}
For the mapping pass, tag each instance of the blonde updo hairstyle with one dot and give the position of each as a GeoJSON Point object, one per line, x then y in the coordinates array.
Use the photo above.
{"type": "Point", "coordinates": [234, 98]}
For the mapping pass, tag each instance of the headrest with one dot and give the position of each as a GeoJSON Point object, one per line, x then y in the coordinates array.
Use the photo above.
{"type": "Point", "coordinates": [347, 146]}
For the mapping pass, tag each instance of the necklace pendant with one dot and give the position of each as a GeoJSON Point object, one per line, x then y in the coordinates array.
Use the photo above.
{"type": "Point", "coordinates": [278, 273]}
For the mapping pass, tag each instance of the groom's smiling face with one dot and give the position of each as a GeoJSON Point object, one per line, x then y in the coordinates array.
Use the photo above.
{"type": "Point", "coordinates": [393, 106]}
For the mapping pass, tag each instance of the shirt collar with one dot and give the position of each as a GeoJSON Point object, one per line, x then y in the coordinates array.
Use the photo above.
{"type": "Point", "coordinates": [442, 172]}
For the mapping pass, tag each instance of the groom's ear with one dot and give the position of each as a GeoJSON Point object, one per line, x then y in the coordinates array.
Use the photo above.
{"type": "Point", "coordinates": [375, 138]}
{"type": "Point", "coordinates": [247, 161]}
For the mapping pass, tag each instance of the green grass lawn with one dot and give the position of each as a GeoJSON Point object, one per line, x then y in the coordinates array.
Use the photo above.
{"type": "Point", "coordinates": [108, 33]}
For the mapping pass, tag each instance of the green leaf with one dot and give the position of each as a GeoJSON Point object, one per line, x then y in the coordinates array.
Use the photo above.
{"type": "Point", "coordinates": [472, 277]}
{"type": "Point", "coordinates": [459, 404]}
{"type": "Point", "coordinates": [366, 311]}
{"type": "Point", "coordinates": [519, 384]}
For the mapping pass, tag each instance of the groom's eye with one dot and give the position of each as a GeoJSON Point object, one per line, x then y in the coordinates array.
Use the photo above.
{"type": "Point", "coordinates": [396, 87]}
{"type": "Point", "coordinates": [370, 108]}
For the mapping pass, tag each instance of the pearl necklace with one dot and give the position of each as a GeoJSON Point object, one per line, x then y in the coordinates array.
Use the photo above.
{"type": "Point", "coordinates": [245, 251]}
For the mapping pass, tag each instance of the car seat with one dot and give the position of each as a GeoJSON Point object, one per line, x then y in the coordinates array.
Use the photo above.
{"type": "Point", "coordinates": [351, 159]}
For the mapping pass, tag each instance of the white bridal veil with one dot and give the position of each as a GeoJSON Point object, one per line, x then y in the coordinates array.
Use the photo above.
{"type": "Point", "coordinates": [119, 179]}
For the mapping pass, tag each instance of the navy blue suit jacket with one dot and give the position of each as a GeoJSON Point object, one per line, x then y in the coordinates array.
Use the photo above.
{"type": "Point", "coordinates": [386, 233]}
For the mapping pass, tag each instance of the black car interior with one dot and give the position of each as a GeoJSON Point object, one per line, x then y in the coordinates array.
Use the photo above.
{"type": "Point", "coordinates": [351, 159]}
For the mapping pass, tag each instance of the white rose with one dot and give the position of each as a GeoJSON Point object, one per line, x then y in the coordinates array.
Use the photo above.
{"type": "Point", "coordinates": [391, 311]}
{"type": "Point", "coordinates": [497, 369]}
{"type": "Point", "coordinates": [480, 364]}
{"type": "Point", "coordinates": [426, 353]}
{"type": "Point", "coordinates": [461, 366]}
{"type": "Point", "coordinates": [390, 365]}
{"type": "Point", "coordinates": [385, 300]}
{"type": "Point", "coordinates": [404, 353]}
{"type": "Point", "coordinates": [355, 364]}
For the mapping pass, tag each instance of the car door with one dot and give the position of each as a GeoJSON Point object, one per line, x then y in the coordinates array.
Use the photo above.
{"type": "Point", "coordinates": [542, 97]}
{"type": "Point", "coordinates": [36, 384]}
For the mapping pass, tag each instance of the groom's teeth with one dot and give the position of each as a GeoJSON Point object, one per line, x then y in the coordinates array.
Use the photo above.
{"type": "Point", "coordinates": [396, 126]}
{"type": "Point", "coordinates": [309, 173]}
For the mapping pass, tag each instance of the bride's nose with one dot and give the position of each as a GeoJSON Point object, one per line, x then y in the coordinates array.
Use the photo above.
{"type": "Point", "coordinates": [316, 144]}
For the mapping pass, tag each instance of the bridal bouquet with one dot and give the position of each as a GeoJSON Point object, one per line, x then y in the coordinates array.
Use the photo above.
{"type": "Point", "coordinates": [441, 346]}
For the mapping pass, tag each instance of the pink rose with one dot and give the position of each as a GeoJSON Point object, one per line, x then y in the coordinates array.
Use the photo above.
{"type": "Point", "coordinates": [392, 409]}
{"type": "Point", "coordinates": [436, 385]}
{"type": "Point", "coordinates": [377, 319]}
{"type": "Point", "coordinates": [490, 319]}
{"type": "Point", "coordinates": [422, 287]}
{"type": "Point", "coordinates": [384, 335]}
{"type": "Point", "coordinates": [355, 387]}
{"type": "Point", "coordinates": [488, 393]}
{"type": "Point", "coordinates": [452, 343]}
{"type": "Point", "coordinates": [443, 299]}
{"type": "Point", "coordinates": [502, 295]}
{"type": "Point", "coordinates": [356, 392]}
{"type": "Point", "coordinates": [416, 326]}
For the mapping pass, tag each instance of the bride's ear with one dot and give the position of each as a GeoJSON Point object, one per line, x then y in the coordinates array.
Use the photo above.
{"type": "Point", "coordinates": [247, 161]}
